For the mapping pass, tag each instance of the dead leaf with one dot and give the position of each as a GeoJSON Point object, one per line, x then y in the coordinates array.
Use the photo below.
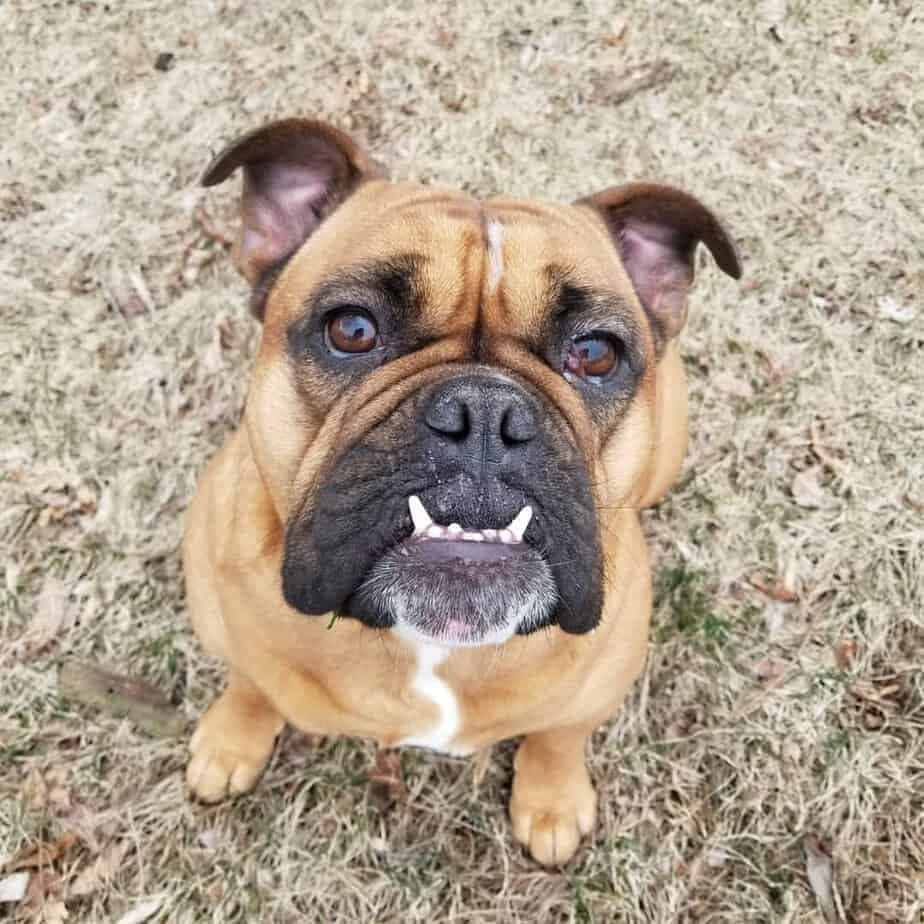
{"type": "Point", "coordinates": [122, 294]}
{"type": "Point", "coordinates": [35, 791]}
{"type": "Point", "coordinates": [617, 34]}
{"type": "Point", "coordinates": [51, 614]}
{"type": "Point", "coordinates": [807, 490]}
{"type": "Point", "coordinates": [141, 289]}
{"type": "Point", "coordinates": [776, 373]}
{"type": "Point", "coordinates": [11, 573]}
{"type": "Point", "coordinates": [13, 888]}
{"type": "Point", "coordinates": [776, 590]}
{"type": "Point", "coordinates": [820, 872]}
{"type": "Point", "coordinates": [43, 854]}
{"type": "Point", "coordinates": [769, 669]}
{"type": "Point", "coordinates": [59, 797]}
{"type": "Point", "coordinates": [386, 779]}
{"type": "Point", "coordinates": [142, 912]}
{"type": "Point", "coordinates": [845, 652]}
{"type": "Point", "coordinates": [733, 385]}
{"type": "Point", "coordinates": [607, 89]}
{"type": "Point", "coordinates": [914, 503]}
{"type": "Point", "coordinates": [821, 452]}
{"type": "Point", "coordinates": [880, 693]}
{"type": "Point", "coordinates": [91, 826]}
{"type": "Point", "coordinates": [100, 871]}
{"type": "Point", "coordinates": [227, 337]}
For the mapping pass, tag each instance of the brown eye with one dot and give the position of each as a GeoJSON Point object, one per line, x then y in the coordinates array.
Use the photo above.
{"type": "Point", "coordinates": [351, 331]}
{"type": "Point", "coordinates": [593, 357]}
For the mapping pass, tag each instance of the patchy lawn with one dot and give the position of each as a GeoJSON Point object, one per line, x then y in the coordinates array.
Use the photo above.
{"type": "Point", "coordinates": [783, 703]}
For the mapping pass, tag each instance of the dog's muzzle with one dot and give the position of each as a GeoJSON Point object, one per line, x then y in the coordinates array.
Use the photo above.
{"type": "Point", "coordinates": [457, 539]}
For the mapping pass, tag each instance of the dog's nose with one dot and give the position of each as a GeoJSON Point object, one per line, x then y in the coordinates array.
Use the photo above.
{"type": "Point", "coordinates": [481, 415]}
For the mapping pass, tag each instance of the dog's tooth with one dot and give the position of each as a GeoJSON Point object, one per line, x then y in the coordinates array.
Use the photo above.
{"type": "Point", "coordinates": [473, 537]}
{"type": "Point", "coordinates": [519, 523]}
{"type": "Point", "coordinates": [505, 535]}
{"type": "Point", "coordinates": [435, 532]}
{"type": "Point", "coordinates": [490, 534]}
{"type": "Point", "coordinates": [419, 515]}
{"type": "Point", "coordinates": [454, 529]}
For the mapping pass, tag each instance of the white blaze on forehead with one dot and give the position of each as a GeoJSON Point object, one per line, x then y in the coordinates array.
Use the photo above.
{"type": "Point", "coordinates": [495, 235]}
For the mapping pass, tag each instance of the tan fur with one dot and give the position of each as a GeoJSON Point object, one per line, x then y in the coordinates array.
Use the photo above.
{"type": "Point", "coordinates": [345, 678]}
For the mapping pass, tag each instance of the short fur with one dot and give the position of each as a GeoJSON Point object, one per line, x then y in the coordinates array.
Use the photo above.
{"type": "Point", "coordinates": [473, 301]}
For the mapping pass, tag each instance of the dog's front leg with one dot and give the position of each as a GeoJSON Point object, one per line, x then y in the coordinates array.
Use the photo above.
{"type": "Point", "coordinates": [233, 742]}
{"type": "Point", "coordinates": [553, 802]}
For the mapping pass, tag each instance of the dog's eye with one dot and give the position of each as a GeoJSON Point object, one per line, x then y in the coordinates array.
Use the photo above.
{"type": "Point", "coordinates": [593, 357]}
{"type": "Point", "coordinates": [350, 331]}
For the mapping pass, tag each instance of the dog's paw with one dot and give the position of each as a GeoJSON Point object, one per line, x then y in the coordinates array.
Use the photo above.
{"type": "Point", "coordinates": [229, 751]}
{"type": "Point", "coordinates": [551, 824]}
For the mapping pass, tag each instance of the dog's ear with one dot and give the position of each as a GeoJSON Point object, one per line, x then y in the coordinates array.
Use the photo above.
{"type": "Point", "coordinates": [656, 230]}
{"type": "Point", "coordinates": [296, 172]}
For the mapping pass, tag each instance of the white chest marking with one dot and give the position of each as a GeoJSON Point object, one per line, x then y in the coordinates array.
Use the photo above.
{"type": "Point", "coordinates": [427, 684]}
{"type": "Point", "coordinates": [495, 234]}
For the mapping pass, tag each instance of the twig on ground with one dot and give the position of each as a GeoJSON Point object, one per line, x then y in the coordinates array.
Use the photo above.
{"type": "Point", "coordinates": [122, 696]}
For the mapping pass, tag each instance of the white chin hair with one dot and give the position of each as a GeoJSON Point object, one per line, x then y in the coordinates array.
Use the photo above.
{"type": "Point", "coordinates": [416, 621]}
{"type": "Point", "coordinates": [496, 636]}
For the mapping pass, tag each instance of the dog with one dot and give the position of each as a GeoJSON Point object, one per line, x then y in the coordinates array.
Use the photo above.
{"type": "Point", "coordinates": [425, 531]}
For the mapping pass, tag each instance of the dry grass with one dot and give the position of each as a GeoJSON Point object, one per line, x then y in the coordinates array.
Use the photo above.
{"type": "Point", "coordinates": [125, 347]}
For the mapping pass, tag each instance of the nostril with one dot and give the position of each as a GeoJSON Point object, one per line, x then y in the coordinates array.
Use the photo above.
{"type": "Point", "coordinates": [450, 417]}
{"type": "Point", "coordinates": [518, 425]}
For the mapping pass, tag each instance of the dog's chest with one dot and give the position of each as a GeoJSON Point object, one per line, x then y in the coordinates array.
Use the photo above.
{"type": "Point", "coordinates": [426, 682]}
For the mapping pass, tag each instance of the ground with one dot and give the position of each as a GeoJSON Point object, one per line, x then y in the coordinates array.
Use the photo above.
{"type": "Point", "coordinates": [781, 714]}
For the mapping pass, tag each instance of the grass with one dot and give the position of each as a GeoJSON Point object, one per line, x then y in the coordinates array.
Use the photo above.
{"type": "Point", "coordinates": [125, 344]}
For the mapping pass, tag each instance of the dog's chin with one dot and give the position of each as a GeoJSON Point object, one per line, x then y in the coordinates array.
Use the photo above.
{"type": "Point", "coordinates": [457, 593]}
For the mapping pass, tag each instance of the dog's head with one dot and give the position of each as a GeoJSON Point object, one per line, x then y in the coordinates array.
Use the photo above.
{"type": "Point", "coordinates": [453, 398]}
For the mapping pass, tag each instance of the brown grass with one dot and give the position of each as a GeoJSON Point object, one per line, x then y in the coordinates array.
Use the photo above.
{"type": "Point", "coordinates": [125, 345]}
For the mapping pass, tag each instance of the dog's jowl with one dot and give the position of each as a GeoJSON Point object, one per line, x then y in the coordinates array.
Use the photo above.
{"type": "Point", "coordinates": [457, 409]}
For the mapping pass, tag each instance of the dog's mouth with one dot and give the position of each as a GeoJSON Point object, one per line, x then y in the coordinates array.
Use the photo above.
{"type": "Point", "coordinates": [446, 543]}
{"type": "Point", "coordinates": [458, 586]}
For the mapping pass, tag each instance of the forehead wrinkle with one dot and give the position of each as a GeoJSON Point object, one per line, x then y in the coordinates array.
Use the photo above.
{"type": "Point", "coordinates": [453, 273]}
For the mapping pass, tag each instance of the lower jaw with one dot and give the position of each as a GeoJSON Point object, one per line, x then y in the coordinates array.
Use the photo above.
{"type": "Point", "coordinates": [453, 603]}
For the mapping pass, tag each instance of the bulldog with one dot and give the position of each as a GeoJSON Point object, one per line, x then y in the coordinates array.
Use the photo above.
{"type": "Point", "coordinates": [426, 529]}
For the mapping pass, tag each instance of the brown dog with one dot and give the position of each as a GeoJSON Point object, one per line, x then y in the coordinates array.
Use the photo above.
{"type": "Point", "coordinates": [426, 530]}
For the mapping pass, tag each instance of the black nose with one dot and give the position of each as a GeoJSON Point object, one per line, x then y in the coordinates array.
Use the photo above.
{"type": "Point", "coordinates": [482, 415]}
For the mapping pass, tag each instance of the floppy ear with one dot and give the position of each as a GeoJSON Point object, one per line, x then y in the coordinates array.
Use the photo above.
{"type": "Point", "coordinates": [656, 230]}
{"type": "Point", "coordinates": [296, 172]}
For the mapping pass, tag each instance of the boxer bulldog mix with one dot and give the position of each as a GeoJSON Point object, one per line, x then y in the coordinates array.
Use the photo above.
{"type": "Point", "coordinates": [426, 530]}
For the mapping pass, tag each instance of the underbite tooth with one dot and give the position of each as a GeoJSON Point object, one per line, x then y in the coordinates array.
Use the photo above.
{"type": "Point", "coordinates": [419, 516]}
{"type": "Point", "coordinates": [454, 529]}
{"type": "Point", "coordinates": [435, 532]}
{"type": "Point", "coordinates": [473, 537]}
{"type": "Point", "coordinates": [490, 534]}
{"type": "Point", "coordinates": [519, 523]}
{"type": "Point", "coordinates": [505, 535]}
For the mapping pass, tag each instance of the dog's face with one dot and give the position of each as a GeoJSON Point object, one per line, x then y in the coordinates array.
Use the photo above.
{"type": "Point", "coordinates": [452, 397]}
